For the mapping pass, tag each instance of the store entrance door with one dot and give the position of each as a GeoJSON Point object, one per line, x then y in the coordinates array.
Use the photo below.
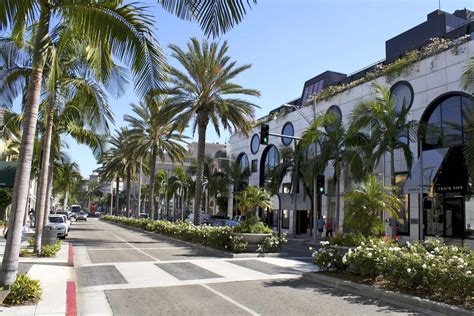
{"type": "Point", "coordinates": [453, 213]}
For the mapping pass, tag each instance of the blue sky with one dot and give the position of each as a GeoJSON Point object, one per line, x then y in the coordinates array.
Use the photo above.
{"type": "Point", "coordinates": [288, 42]}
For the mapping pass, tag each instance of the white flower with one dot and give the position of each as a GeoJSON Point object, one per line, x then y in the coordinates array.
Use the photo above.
{"type": "Point", "coordinates": [330, 254]}
{"type": "Point", "coordinates": [311, 248]}
{"type": "Point", "coordinates": [423, 266]}
{"type": "Point", "coordinates": [344, 260]}
{"type": "Point", "coordinates": [468, 272]}
{"type": "Point", "coordinates": [369, 255]}
{"type": "Point", "coordinates": [408, 270]}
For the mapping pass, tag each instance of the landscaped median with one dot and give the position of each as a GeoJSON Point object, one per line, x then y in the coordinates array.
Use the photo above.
{"type": "Point", "coordinates": [430, 270]}
{"type": "Point", "coordinates": [222, 238]}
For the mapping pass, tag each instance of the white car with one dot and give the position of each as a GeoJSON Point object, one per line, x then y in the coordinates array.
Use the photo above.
{"type": "Point", "coordinates": [68, 222]}
{"type": "Point", "coordinates": [59, 221]}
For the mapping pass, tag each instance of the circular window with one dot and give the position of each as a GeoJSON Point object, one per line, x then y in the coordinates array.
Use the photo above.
{"type": "Point", "coordinates": [287, 130]}
{"type": "Point", "coordinates": [402, 94]}
{"type": "Point", "coordinates": [335, 111]}
{"type": "Point", "coordinates": [255, 144]}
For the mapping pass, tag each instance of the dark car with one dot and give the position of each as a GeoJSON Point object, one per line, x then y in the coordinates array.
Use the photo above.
{"type": "Point", "coordinates": [225, 222]}
{"type": "Point", "coordinates": [82, 216]}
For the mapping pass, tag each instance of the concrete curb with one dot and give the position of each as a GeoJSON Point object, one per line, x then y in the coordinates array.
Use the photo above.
{"type": "Point", "coordinates": [214, 251]}
{"type": "Point", "coordinates": [394, 298]}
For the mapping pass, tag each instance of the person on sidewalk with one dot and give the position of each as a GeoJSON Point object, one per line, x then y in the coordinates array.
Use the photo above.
{"type": "Point", "coordinates": [320, 225]}
{"type": "Point", "coordinates": [329, 227]}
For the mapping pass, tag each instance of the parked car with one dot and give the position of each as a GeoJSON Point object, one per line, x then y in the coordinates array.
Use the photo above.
{"type": "Point", "coordinates": [68, 222]}
{"type": "Point", "coordinates": [82, 216]}
{"type": "Point", "coordinates": [239, 218]}
{"type": "Point", "coordinates": [205, 218]}
{"type": "Point", "coordinates": [225, 222]}
{"type": "Point", "coordinates": [97, 214]}
{"type": "Point", "coordinates": [59, 222]}
{"type": "Point", "coordinates": [141, 215]}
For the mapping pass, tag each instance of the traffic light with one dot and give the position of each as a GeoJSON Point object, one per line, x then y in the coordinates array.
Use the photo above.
{"type": "Point", "coordinates": [320, 184]}
{"type": "Point", "coordinates": [264, 134]}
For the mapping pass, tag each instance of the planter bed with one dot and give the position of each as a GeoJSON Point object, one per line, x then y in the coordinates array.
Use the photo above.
{"type": "Point", "coordinates": [375, 290]}
{"type": "Point", "coordinates": [208, 248]}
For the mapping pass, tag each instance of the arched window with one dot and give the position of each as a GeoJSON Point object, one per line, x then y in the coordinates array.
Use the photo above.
{"type": "Point", "coordinates": [289, 130]}
{"type": "Point", "coordinates": [272, 158]}
{"type": "Point", "coordinates": [337, 113]}
{"type": "Point", "coordinates": [446, 120]}
{"type": "Point", "coordinates": [244, 164]}
{"type": "Point", "coordinates": [402, 94]}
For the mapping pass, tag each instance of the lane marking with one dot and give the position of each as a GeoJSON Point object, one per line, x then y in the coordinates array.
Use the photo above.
{"type": "Point", "coordinates": [245, 308]}
{"type": "Point", "coordinates": [155, 248]}
{"type": "Point", "coordinates": [71, 307]}
{"type": "Point", "coordinates": [138, 249]}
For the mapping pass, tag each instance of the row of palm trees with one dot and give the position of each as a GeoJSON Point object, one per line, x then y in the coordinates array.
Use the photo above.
{"type": "Point", "coordinates": [69, 53]}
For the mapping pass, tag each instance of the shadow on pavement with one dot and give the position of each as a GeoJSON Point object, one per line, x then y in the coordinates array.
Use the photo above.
{"type": "Point", "coordinates": [350, 297]}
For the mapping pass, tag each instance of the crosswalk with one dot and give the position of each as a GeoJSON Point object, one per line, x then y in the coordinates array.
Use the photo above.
{"type": "Point", "coordinates": [129, 275]}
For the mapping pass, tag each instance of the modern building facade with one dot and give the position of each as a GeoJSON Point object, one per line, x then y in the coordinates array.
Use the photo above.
{"type": "Point", "coordinates": [422, 68]}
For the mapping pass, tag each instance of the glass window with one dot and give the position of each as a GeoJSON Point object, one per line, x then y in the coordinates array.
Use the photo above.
{"type": "Point", "coordinates": [244, 163]}
{"type": "Point", "coordinates": [402, 94]}
{"type": "Point", "coordinates": [469, 207]}
{"type": "Point", "coordinates": [285, 219]}
{"type": "Point", "coordinates": [254, 165]}
{"type": "Point", "coordinates": [452, 121]}
{"type": "Point", "coordinates": [287, 130]}
{"type": "Point", "coordinates": [337, 113]}
{"type": "Point", "coordinates": [448, 122]}
{"type": "Point", "coordinates": [272, 159]}
{"type": "Point", "coordinates": [255, 144]}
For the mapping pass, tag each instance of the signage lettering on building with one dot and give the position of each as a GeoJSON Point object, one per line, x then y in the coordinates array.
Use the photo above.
{"type": "Point", "coordinates": [449, 188]}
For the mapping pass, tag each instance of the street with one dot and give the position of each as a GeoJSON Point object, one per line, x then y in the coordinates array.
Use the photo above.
{"type": "Point", "coordinates": [125, 272]}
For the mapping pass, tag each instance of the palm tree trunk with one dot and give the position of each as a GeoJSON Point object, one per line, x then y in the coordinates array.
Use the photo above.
{"type": "Point", "coordinates": [41, 197]}
{"type": "Point", "coordinates": [129, 192]}
{"type": "Point", "coordinates": [202, 126]}
{"type": "Point", "coordinates": [49, 193]}
{"type": "Point", "coordinates": [117, 188]}
{"type": "Point", "coordinates": [151, 192]}
{"type": "Point", "coordinates": [23, 171]}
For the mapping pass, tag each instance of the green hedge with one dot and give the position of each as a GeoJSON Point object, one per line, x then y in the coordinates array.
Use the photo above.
{"type": "Point", "coordinates": [430, 269]}
{"type": "Point", "coordinates": [216, 237]}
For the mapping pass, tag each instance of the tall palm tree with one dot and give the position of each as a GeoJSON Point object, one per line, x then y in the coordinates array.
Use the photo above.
{"type": "Point", "coordinates": [161, 189]}
{"type": "Point", "coordinates": [153, 136]}
{"type": "Point", "coordinates": [386, 125]}
{"type": "Point", "coordinates": [340, 146]}
{"type": "Point", "coordinates": [67, 175]}
{"type": "Point", "coordinates": [121, 161]}
{"type": "Point", "coordinates": [123, 29]}
{"type": "Point", "coordinates": [205, 94]}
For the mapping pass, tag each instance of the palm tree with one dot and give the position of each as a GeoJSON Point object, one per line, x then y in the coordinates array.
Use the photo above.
{"type": "Point", "coordinates": [153, 136]}
{"type": "Point", "coordinates": [161, 189]}
{"type": "Point", "coordinates": [121, 161]}
{"type": "Point", "coordinates": [205, 94]}
{"type": "Point", "coordinates": [386, 125]}
{"type": "Point", "coordinates": [339, 145]}
{"type": "Point", "coordinates": [123, 29]}
{"type": "Point", "coordinates": [67, 175]}
{"type": "Point", "coordinates": [366, 204]}
{"type": "Point", "coordinates": [252, 198]}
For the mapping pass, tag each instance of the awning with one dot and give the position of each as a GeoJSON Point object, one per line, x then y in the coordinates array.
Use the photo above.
{"type": "Point", "coordinates": [7, 173]}
{"type": "Point", "coordinates": [431, 161]}
{"type": "Point", "coordinates": [285, 201]}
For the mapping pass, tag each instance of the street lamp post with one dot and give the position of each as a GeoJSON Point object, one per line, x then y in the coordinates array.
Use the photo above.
{"type": "Point", "coordinates": [140, 188]}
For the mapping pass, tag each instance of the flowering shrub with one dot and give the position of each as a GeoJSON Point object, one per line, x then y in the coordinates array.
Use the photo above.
{"type": "Point", "coordinates": [329, 258]}
{"type": "Point", "coordinates": [216, 237]}
{"type": "Point", "coordinates": [272, 243]}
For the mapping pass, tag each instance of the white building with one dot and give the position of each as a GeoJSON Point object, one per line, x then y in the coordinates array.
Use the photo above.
{"type": "Point", "coordinates": [431, 87]}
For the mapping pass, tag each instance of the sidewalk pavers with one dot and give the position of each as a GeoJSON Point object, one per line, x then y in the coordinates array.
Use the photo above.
{"type": "Point", "coordinates": [54, 275]}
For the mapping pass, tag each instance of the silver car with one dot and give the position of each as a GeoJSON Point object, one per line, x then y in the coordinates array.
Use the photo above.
{"type": "Point", "coordinates": [59, 221]}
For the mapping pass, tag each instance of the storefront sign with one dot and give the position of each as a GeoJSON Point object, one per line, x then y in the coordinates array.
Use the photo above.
{"type": "Point", "coordinates": [450, 188]}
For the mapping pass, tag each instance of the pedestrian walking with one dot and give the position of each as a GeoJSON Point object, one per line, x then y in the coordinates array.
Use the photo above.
{"type": "Point", "coordinates": [320, 225]}
{"type": "Point", "coordinates": [329, 227]}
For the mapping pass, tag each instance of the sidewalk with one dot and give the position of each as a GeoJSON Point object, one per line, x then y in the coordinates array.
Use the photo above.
{"type": "Point", "coordinates": [57, 281]}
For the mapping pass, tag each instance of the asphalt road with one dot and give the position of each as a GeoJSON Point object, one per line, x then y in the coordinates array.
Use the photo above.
{"type": "Point", "coordinates": [124, 272]}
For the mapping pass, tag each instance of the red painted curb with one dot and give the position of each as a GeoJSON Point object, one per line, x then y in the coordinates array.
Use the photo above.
{"type": "Point", "coordinates": [71, 308]}
{"type": "Point", "coordinates": [70, 256]}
